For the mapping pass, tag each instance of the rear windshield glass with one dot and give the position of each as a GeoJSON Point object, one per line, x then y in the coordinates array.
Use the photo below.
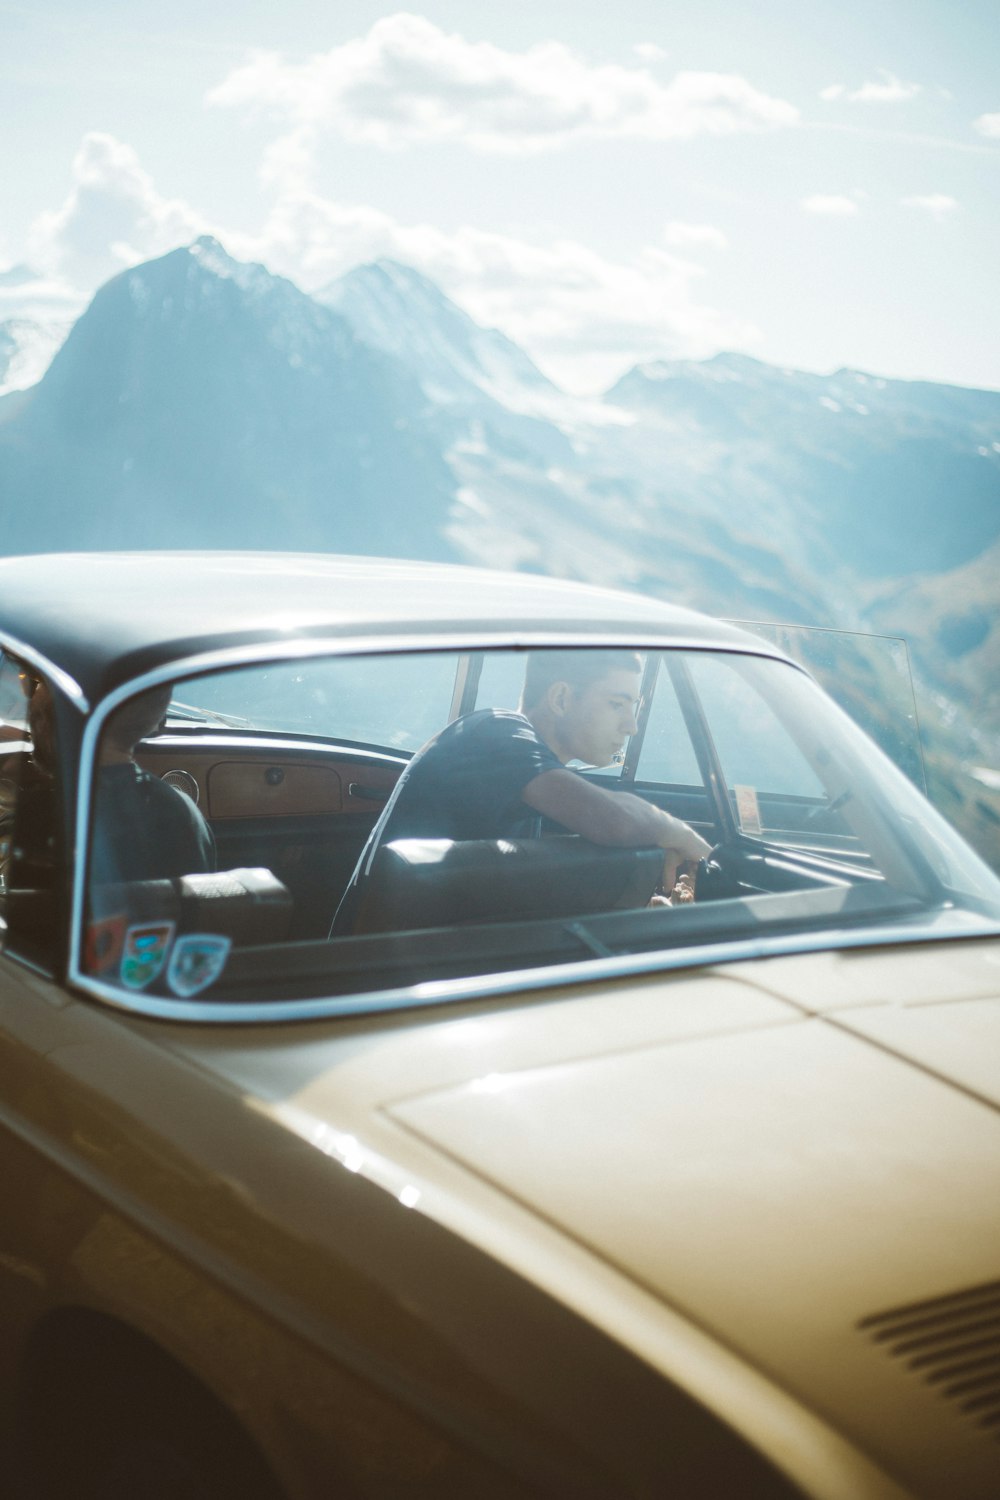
{"type": "Point", "coordinates": [325, 832]}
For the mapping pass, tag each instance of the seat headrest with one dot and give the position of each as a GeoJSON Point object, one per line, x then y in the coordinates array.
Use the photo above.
{"type": "Point", "coordinates": [445, 882]}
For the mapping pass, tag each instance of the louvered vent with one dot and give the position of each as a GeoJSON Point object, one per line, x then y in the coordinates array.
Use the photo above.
{"type": "Point", "coordinates": [953, 1344]}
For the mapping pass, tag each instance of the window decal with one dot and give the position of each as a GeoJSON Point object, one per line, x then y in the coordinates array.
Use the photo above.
{"type": "Point", "coordinates": [146, 948]}
{"type": "Point", "coordinates": [105, 942]}
{"type": "Point", "coordinates": [197, 960]}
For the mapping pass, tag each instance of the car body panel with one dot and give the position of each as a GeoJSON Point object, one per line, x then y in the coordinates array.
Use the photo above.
{"type": "Point", "coordinates": [734, 1174]}
{"type": "Point", "coordinates": [651, 1223]}
{"type": "Point", "coordinates": [238, 1203]}
{"type": "Point", "coordinates": [104, 618]}
{"type": "Point", "coordinates": [738, 1143]}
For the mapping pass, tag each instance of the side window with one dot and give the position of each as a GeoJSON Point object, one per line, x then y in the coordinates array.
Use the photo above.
{"type": "Point", "coordinates": [27, 811]}
{"type": "Point", "coordinates": [667, 753]}
{"type": "Point", "coordinates": [393, 701]}
{"type": "Point", "coordinates": [501, 680]}
{"type": "Point", "coordinates": [151, 859]}
{"type": "Point", "coordinates": [753, 747]}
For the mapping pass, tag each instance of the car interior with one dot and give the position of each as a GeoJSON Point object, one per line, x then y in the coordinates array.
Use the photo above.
{"type": "Point", "coordinates": [291, 801]}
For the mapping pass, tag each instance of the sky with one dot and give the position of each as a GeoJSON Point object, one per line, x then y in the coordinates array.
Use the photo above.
{"type": "Point", "coordinates": [812, 183]}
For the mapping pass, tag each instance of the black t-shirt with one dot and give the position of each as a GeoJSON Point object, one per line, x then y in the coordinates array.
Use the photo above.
{"type": "Point", "coordinates": [145, 829]}
{"type": "Point", "coordinates": [465, 783]}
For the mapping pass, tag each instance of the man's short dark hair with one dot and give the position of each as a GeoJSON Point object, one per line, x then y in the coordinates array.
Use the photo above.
{"type": "Point", "coordinates": [579, 667]}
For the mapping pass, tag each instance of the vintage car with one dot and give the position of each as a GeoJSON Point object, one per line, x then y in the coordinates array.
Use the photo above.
{"type": "Point", "coordinates": [525, 1180]}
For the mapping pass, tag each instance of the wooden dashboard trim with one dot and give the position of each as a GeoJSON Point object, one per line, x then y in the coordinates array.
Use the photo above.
{"type": "Point", "coordinates": [260, 780]}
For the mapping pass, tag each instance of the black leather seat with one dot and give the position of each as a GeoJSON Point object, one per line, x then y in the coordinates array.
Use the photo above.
{"type": "Point", "coordinates": [249, 906]}
{"type": "Point", "coordinates": [419, 883]}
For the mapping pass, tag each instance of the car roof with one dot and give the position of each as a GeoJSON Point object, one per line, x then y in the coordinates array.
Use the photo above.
{"type": "Point", "coordinates": [104, 618]}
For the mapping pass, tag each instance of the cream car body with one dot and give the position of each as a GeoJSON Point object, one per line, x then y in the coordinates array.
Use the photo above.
{"type": "Point", "coordinates": [715, 1219]}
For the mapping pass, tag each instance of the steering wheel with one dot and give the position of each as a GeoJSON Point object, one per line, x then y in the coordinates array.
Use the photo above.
{"type": "Point", "coordinates": [714, 879]}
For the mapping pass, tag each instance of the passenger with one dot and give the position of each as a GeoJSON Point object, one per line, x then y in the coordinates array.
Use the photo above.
{"type": "Point", "coordinates": [496, 774]}
{"type": "Point", "coordinates": [144, 829]}
{"type": "Point", "coordinates": [28, 825]}
{"type": "Point", "coordinates": [16, 691]}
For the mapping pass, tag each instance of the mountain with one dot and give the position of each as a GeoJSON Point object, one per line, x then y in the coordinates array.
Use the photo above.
{"type": "Point", "coordinates": [549, 482]}
{"type": "Point", "coordinates": [488, 394]}
{"type": "Point", "coordinates": [35, 318]}
{"type": "Point", "coordinates": [952, 622]}
{"type": "Point", "coordinates": [850, 465]}
{"type": "Point", "coordinates": [201, 400]}
{"type": "Point", "coordinates": [887, 493]}
{"type": "Point", "coordinates": [27, 348]}
{"type": "Point", "coordinates": [396, 309]}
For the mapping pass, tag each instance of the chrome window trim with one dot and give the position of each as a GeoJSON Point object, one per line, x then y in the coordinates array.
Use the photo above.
{"type": "Point", "coordinates": [66, 684]}
{"type": "Point", "coordinates": [552, 976]}
{"type": "Point", "coordinates": [249, 655]}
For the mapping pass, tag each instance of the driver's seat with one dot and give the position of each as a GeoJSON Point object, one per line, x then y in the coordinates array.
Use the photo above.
{"type": "Point", "coordinates": [420, 883]}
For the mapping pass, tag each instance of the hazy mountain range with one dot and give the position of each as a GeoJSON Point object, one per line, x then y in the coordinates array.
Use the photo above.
{"type": "Point", "coordinates": [204, 402]}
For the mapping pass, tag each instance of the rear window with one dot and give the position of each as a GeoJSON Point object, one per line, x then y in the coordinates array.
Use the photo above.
{"type": "Point", "coordinates": [357, 831]}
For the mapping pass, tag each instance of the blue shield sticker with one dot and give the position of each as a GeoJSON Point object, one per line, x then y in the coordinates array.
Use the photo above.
{"type": "Point", "coordinates": [197, 960]}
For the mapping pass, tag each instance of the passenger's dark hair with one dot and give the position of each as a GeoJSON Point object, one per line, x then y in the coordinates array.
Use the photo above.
{"type": "Point", "coordinates": [579, 667]}
{"type": "Point", "coordinates": [143, 715]}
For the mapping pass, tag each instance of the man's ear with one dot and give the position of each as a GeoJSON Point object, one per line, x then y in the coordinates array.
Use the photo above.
{"type": "Point", "coordinates": [558, 697]}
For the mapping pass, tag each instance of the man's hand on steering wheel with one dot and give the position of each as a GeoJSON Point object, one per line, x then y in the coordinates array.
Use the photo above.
{"type": "Point", "coordinates": [685, 848]}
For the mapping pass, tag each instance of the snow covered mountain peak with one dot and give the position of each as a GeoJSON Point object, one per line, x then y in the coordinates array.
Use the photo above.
{"type": "Point", "coordinates": [399, 310]}
{"type": "Point", "coordinates": [213, 257]}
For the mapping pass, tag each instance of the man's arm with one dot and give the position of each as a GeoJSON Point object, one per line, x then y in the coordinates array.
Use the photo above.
{"type": "Point", "coordinates": [616, 818]}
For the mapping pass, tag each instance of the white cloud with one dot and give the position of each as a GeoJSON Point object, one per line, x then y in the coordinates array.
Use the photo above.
{"type": "Point", "coordinates": [582, 316]}
{"type": "Point", "coordinates": [585, 318]}
{"type": "Point", "coordinates": [113, 217]}
{"type": "Point", "coordinates": [407, 81]}
{"type": "Point", "coordinates": [288, 161]}
{"type": "Point", "coordinates": [650, 51]}
{"type": "Point", "coordinates": [834, 205]}
{"type": "Point", "coordinates": [885, 89]}
{"type": "Point", "coordinates": [30, 295]}
{"type": "Point", "coordinates": [939, 205]}
{"type": "Point", "coordinates": [988, 125]}
{"type": "Point", "coordinates": [680, 236]}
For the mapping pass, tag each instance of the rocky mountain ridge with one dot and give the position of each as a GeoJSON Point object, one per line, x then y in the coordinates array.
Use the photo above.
{"type": "Point", "coordinates": [201, 401]}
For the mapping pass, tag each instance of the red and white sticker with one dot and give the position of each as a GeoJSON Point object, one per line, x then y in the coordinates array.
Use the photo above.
{"type": "Point", "coordinates": [747, 808]}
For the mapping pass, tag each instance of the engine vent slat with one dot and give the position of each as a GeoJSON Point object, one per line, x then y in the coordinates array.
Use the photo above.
{"type": "Point", "coordinates": [951, 1344]}
{"type": "Point", "coordinates": [897, 1327]}
{"type": "Point", "coordinates": [962, 1367]}
{"type": "Point", "coordinates": [933, 1358]}
{"type": "Point", "coordinates": [974, 1382]}
{"type": "Point", "coordinates": [951, 1333]}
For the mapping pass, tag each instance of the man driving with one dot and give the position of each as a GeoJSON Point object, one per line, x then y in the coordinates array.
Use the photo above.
{"type": "Point", "coordinates": [497, 773]}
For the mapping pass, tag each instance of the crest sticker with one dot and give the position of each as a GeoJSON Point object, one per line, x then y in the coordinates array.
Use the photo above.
{"type": "Point", "coordinates": [104, 943]}
{"type": "Point", "coordinates": [145, 953]}
{"type": "Point", "coordinates": [196, 962]}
